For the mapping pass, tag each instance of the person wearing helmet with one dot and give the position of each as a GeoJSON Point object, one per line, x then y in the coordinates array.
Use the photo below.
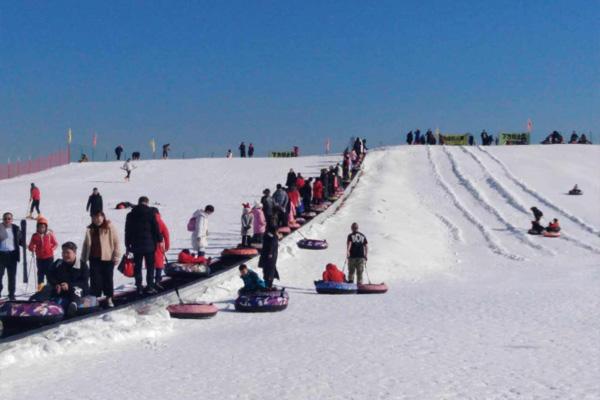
{"type": "Point", "coordinates": [42, 244]}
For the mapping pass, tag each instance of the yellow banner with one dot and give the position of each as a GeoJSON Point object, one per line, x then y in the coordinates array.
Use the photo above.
{"type": "Point", "coordinates": [455, 140]}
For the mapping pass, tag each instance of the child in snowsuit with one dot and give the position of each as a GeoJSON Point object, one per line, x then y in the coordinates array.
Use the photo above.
{"type": "Point", "coordinates": [247, 224]}
{"type": "Point", "coordinates": [43, 243]}
{"type": "Point", "coordinates": [252, 282]}
{"type": "Point", "coordinates": [333, 274]}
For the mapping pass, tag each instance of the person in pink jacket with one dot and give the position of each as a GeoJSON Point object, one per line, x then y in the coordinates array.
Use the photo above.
{"type": "Point", "coordinates": [259, 223]}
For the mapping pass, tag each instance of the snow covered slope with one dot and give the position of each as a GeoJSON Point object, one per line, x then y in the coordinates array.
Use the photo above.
{"type": "Point", "coordinates": [477, 308]}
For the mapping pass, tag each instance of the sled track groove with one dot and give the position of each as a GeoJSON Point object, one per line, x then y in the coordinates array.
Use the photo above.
{"type": "Point", "coordinates": [515, 203]}
{"type": "Point", "coordinates": [480, 198]}
{"type": "Point", "coordinates": [491, 243]}
{"type": "Point", "coordinates": [539, 197]}
{"type": "Point", "coordinates": [452, 228]}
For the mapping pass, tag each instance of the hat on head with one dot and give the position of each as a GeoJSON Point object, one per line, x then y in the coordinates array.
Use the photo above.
{"type": "Point", "coordinates": [42, 220]}
{"type": "Point", "coordinates": [257, 204]}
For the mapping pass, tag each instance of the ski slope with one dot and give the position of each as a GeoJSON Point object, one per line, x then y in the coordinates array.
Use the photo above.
{"type": "Point", "coordinates": [477, 309]}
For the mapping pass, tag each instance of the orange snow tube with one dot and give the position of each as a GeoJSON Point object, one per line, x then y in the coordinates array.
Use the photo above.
{"type": "Point", "coordinates": [240, 252]}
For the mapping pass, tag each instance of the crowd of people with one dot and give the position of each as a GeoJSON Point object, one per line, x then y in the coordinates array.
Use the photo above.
{"type": "Point", "coordinates": [89, 271]}
{"type": "Point", "coordinates": [487, 139]}
{"type": "Point", "coordinates": [556, 138]}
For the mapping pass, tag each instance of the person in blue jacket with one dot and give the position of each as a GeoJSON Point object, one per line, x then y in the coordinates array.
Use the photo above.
{"type": "Point", "coordinates": [252, 282]}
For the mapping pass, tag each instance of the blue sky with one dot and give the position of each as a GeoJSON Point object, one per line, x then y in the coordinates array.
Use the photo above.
{"type": "Point", "coordinates": [204, 75]}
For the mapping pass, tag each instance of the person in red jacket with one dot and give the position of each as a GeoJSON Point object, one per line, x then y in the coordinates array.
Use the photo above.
{"type": "Point", "coordinates": [318, 191]}
{"type": "Point", "coordinates": [34, 198]}
{"type": "Point", "coordinates": [43, 244]}
{"type": "Point", "coordinates": [333, 274]}
{"type": "Point", "coordinates": [300, 181]}
{"type": "Point", "coordinates": [161, 251]}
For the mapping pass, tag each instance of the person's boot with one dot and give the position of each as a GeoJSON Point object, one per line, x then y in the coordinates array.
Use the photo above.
{"type": "Point", "coordinates": [109, 302]}
{"type": "Point", "coordinates": [139, 290]}
{"type": "Point", "coordinates": [72, 309]}
{"type": "Point", "coordinates": [150, 290]}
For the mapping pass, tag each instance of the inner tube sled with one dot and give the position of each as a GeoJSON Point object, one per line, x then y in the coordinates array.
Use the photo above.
{"type": "Point", "coordinates": [284, 230]}
{"type": "Point", "coordinates": [372, 288]}
{"type": "Point", "coordinates": [262, 301]}
{"type": "Point", "coordinates": [323, 287]}
{"type": "Point", "coordinates": [192, 310]}
{"type": "Point", "coordinates": [575, 192]}
{"type": "Point", "coordinates": [551, 234]}
{"type": "Point", "coordinates": [19, 313]}
{"type": "Point", "coordinates": [240, 252]}
{"type": "Point", "coordinates": [186, 270]}
{"type": "Point", "coordinates": [312, 244]}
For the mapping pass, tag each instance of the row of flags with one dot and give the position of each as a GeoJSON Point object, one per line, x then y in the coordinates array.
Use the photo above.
{"type": "Point", "coordinates": [95, 140]}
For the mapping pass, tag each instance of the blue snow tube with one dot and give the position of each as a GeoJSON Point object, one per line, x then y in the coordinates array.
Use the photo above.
{"type": "Point", "coordinates": [262, 301]}
{"type": "Point", "coordinates": [335, 287]}
{"type": "Point", "coordinates": [312, 244]}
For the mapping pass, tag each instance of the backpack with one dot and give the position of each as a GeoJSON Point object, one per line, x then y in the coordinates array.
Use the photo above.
{"type": "Point", "coordinates": [191, 225]}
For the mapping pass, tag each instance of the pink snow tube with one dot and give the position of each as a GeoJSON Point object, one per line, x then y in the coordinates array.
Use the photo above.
{"type": "Point", "coordinates": [372, 288]}
{"type": "Point", "coordinates": [284, 230]}
{"type": "Point", "coordinates": [551, 234]}
{"type": "Point", "coordinates": [192, 311]}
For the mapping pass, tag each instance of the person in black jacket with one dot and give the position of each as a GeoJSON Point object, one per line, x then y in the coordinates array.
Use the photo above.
{"type": "Point", "coordinates": [118, 152]}
{"type": "Point", "coordinates": [306, 193]}
{"type": "Point", "coordinates": [268, 205]}
{"type": "Point", "coordinates": [94, 204]}
{"type": "Point", "coordinates": [409, 137]}
{"type": "Point", "coordinates": [68, 279]}
{"type": "Point", "coordinates": [537, 214]}
{"type": "Point", "coordinates": [268, 256]}
{"type": "Point", "coordinates": [325, 181]}
{"type": "Point", "coordinates": [10, 240]}
{"type": "Point", "coordinates": [242, 149]}
{"type": "Point", "coordinates": [142, 235]}
{"type": "Point", "coordinates": [291, 179]}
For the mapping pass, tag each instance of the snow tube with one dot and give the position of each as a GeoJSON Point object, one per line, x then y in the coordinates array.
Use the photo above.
{"type": "Point", "coordinates": [575, 193]}
{"type": "Point", "coordinates": [312, 244]}
{"type": "Point", "coordinates": [333, 198]}
{"type": "Point", "coordinates": [551, 234]}
{"type": "Point", "coordinates": [284, 230]}
{"type": "Point", "coordinates": [192, 311]}
{"type": "Point", "coordinates": [301, 221]}
{"type": "Point", "coordinates": [186, 270]}
{"type": "Point", "coordinates": [240, 252]}
{"type": "Point", "coordinates": [532, 232]}
{"type": "Point", "coordinates": [372, 288]}
{"type": "Point", "coordinates": [319, 208]}
{"type": "Point", "coordinates": [294, 226]}
{"type": "Point", "coordinates": [30, 313]}
{"type": "Point", "coordinates": [335, 287]}
{"type": "Point", "coordinates": [263, 301]}
{"type": "Point", "coordinates": [87, 304]}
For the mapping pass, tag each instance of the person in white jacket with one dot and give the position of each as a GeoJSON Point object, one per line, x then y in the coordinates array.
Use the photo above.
{"type": "Point", "coordinates": [200, 233]}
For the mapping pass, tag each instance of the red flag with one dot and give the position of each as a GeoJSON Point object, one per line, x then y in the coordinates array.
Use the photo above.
{"type": "Point", "coordinates": [529, 125]}
{"type": "Point", "coordinates": [94, 140]}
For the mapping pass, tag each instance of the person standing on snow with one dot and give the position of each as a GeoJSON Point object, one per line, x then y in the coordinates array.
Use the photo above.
{"type": "Point", "coordinates": [118, 152]}
{"type": "Point", "coordinates": [94, 203]}
{"type": "Point", "coordinates": [102, 250]}
{"type": "Point", "coordinates": [356, 252]}
{"type": "Point", "coordinates": [259, 223]}
{"type": "Point", "coordinates": [281, 200]}
{"type": "Point", "coordinates": [42, 244]}
{"type": "Point", "coordinates": [200, 233]}
{"type": "Point", "coordinates": [242, 149]}
{"type": "Point", "coordinates": [142, 235]}
{"type": "Point", "coordinates": [251, 150]}
{"type": "Point", "coordinates": [165, 151]}
{"type": "Point", "coordinates": [247, 224]}
{"type": "Point", "coordinates": [34, 198]}
{"type": "Point", "coordinates": [269, 207]}
{"type": "Point", "coordinates": [128, 167]}
{"type": "Point", "coordinates": [229, 154]}
{"type": "Point", "coordinates": [409, 138]}
{"type": "Point", "coordinates": [161, 249]}
{"type": "Point", "coordinates": [268, 256]}
{"type": "Point", "coordinates": [291, 179]}
{"type": "Point", "coordinates": [306, 193]}
{"type": "Point", "coordinates": [10, 240]}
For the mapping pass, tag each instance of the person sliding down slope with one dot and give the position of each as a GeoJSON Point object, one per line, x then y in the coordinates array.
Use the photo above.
{"type": "Point", "coordinates": [536, 228]}
{"type": "Point", "coordinates": [333, 274]}
{"type": "Point", "coordinates": [553, 226]}
{"type": "Point", "coordinates": [575, 190]}
{"type": "Point", "coordinates": [252, 282]}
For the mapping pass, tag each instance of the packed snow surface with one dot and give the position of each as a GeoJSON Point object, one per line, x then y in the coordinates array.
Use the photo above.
{"type": "Point", "coordinates": [477, 308]}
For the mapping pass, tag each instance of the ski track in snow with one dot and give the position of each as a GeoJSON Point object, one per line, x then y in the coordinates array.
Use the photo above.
{"type": "Point", "coordinates": [485, 204]}
{"type": "Point", "coordinates": [487, 235]}
{"type": "Point", "coordinates": [518, 205]}
{"type": "Point", "coordinates": [539, 197]}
